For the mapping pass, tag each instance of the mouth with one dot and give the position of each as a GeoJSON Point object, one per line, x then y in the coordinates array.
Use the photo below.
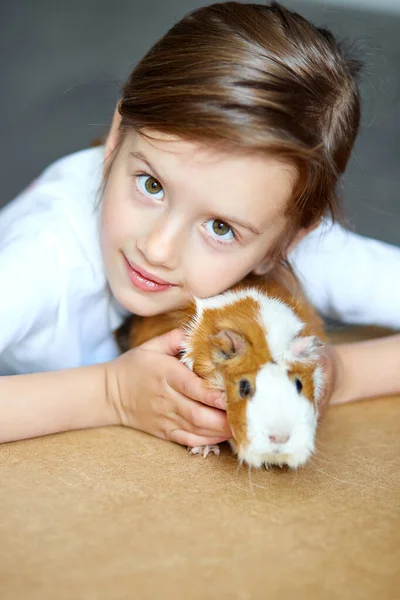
{"type": "Point", "coordinates": [279, 458]}
{"type": "Point", "coordinates": [144, 280]}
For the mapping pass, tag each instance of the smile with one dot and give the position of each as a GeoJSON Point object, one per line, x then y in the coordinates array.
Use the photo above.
{"type": "Point", "coordinates": [144, 280]}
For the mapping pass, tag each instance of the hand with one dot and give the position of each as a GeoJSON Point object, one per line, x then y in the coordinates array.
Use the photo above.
{"type": "Point", "coordinates": [150, 390]}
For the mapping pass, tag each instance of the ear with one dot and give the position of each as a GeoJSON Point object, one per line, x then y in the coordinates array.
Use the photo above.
{"type": "Point", "coordinates": [226, 345]}
{"type": "Point", "coordinates": [112, 138]}
{"type": "Point", "coordinates": [305, 348]}
{"type": "Point", "coordinates": [262, 268]}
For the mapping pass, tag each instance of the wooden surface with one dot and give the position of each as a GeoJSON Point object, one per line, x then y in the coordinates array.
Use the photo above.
{"type": "Point", "coordinates": [116, 514]}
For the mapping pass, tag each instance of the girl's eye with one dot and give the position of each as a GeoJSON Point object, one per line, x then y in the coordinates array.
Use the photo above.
{"type": "Point", "coordinates": [149, 186]}
{"type": "Point", "coordinates": [221, 230]}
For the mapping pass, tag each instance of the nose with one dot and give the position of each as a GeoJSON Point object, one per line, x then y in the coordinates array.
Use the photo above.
{"type": "Point", "coordinates": [281, 438]}
{"type": "Point", "coordinates": [162, 244]}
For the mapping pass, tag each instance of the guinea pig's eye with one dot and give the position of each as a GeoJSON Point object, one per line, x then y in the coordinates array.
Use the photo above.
{"type": "Point", "coordinates": [244, 388]}
{"type": "Point", "coordinates": [299, 385]}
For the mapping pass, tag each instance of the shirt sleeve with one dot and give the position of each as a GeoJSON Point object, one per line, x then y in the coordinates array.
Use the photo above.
{"type": "Point", "coordinates": [28, 285]}
{"type": "Point", "coordinates": [349, 277]}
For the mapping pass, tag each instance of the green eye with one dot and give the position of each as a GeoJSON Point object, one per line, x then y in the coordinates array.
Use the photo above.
{"type": "Point", "coordinates": [220, 228]}
{"type": "Point", "coordinates": [149, 186]}
{"type": "Point", "coordinates": [152, 186]}
{"type": "Point", "coordinates": [219, 231]}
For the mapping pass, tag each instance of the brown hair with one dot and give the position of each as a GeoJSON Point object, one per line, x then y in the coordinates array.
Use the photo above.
{"type": "Point", "coordinates": [249, 77]}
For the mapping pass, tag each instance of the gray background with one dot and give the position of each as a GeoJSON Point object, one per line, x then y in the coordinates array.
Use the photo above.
{"type": "Point", "coordinates": [62, 64]}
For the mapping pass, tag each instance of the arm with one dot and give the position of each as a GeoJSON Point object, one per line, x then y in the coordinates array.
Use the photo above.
{"type": "Point", "coordinates": [44, 403]}
{"type": "Point", "coordinates": [146, 388]}
{"type": "Point", "coordinates": [367, 369]}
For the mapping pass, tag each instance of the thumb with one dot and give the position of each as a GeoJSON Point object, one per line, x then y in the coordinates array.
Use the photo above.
{"type": "Point", "coordinates": [168, 343]}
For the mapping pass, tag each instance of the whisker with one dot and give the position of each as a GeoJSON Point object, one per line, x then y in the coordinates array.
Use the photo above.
{"type": "Point", "coordinates": [250, 481]}
{"type": "Point", "coordinates": [345, 481]}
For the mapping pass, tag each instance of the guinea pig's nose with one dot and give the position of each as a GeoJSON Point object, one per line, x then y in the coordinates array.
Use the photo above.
{"type": "Point", "coordinates": [279, 439]}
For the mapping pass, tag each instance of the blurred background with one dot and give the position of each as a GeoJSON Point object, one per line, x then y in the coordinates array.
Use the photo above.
{"type": "Point", "coordinates": [62, 65]}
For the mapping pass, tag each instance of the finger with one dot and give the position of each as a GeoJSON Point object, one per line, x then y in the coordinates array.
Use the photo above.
{"type": "Point", "coordinates": [181, 423]}
{"type": "Point", "coordinates": [199, 418]}
{"type": "Point", "coordinates": [183, 380]}
{"type": "Point", "coordinates": [169, 343]}
{"type": "Point", "coordinates": [185, 438]}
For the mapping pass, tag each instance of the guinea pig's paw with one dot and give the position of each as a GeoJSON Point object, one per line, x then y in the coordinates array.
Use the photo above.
{"type": "Point", "coordinates": [204, 450]}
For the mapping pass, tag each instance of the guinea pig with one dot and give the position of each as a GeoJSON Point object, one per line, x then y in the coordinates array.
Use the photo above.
{"type": "Point", "coordinates": [260, 343]}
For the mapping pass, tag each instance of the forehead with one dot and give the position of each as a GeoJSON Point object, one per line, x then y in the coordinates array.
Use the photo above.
{"type": "Point", "coordinates": [258, 182]}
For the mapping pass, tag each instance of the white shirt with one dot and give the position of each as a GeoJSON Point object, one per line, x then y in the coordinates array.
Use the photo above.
{"type": "Point", "coordinates": [56, 310]}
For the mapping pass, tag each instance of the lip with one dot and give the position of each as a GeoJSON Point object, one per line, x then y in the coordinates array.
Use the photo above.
{"type": "Point", "coordinates": [144, 280]}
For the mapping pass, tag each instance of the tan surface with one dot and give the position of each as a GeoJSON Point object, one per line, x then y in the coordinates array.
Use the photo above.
{"type": "Point", "coordinates": [115, 514]}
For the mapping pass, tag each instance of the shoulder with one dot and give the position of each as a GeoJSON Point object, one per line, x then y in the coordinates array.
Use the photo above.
{"type": "Point", "coordinates": [29, 284]}
{"type": "Point", "coordinates": [77, 177]}
{"type": "Point", "coordinates": [78, 167]}
{"type": "Point", "coordinates": [50, 293]}
{"type": "Point", "coordinates": [59, 208]}
{"type": "Point", "coordinates": [49, 244]}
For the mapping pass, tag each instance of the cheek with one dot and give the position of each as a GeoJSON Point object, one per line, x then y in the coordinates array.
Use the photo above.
{"type": "Point", "coordinates": [118, 216]}
{"type": "Point", "coordinates": [109, 229]}
{"type": "Point", "coordinates": [212, 274]}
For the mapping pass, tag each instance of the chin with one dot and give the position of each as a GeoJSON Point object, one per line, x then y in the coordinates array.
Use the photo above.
{"type": "Point", "coordinates": [147, 304]}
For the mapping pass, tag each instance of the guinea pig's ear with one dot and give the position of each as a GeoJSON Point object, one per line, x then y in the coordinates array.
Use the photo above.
{"type": "Point", "coordinates": [227, 344]}
{"type": "Point", "coordinates": [305, 348]}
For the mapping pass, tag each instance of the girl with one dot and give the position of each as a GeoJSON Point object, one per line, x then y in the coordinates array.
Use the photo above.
{"type": "Point", "coordinates": [222, 159]}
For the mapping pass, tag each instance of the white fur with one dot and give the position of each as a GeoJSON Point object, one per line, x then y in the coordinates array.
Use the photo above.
{"type": "Point", "coordinates": [227, 298]}
{"type": "Point", "coordinates": [202, 304]}
{"type": "Point", "coordinates": [185, 344]}
{"type": "Point", "coordinates": [319, 383]}
{"type": "Point", "coordinates": [281, 325]}
{"type": "Point", "coordinates": [276, 318]}
{"type": "Point", "coordinates": [277, 408]}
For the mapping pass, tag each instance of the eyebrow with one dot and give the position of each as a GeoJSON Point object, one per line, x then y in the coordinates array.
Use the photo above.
{"type": "Point", "coordinates": [143, 158]}
{"type": "Point", "coordinates": [140, 156]}
{"type": "Point", "coordinates": [244, 224]}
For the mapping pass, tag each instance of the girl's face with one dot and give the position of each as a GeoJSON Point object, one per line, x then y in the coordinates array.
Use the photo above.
{"type": "Point", "coordinates": [181, 219]}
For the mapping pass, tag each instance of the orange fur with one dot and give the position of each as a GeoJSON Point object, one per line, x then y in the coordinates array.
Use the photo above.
{"type": "Point", "coordinates": [242, 319]}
